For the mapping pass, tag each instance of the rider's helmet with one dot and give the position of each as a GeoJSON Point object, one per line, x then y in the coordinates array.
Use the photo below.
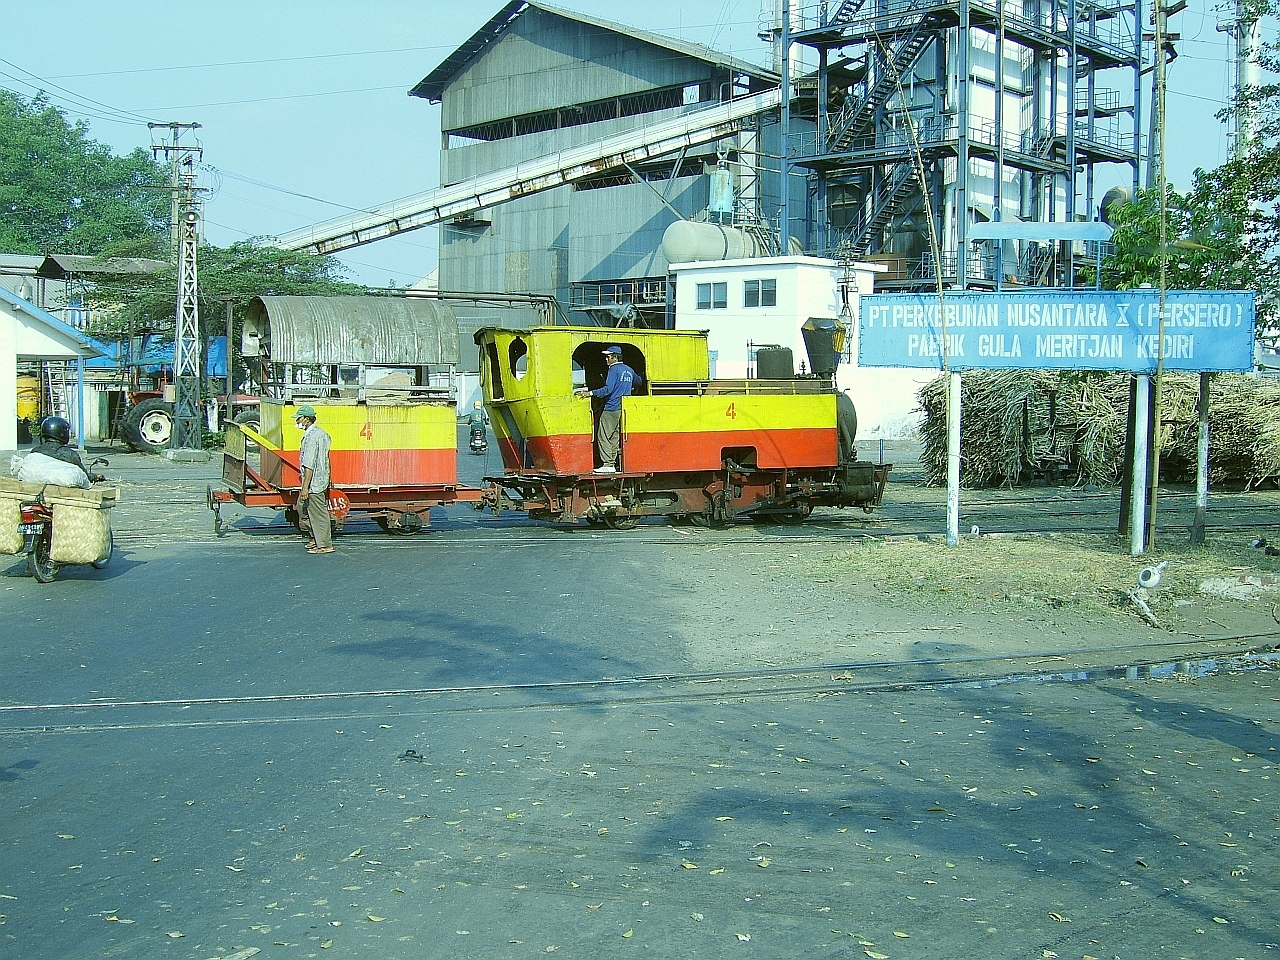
{"type": "Point", "coordinates": [55, 428]}
{"type": "Point", "coordinates": [477, 404]}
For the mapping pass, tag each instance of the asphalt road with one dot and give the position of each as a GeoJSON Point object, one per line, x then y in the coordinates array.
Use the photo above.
{"type": "Point", "coordinates": [494, 741]}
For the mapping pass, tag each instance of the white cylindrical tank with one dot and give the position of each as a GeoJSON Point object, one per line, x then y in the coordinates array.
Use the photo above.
{"type": "Point", "coordinates": [686, 241]}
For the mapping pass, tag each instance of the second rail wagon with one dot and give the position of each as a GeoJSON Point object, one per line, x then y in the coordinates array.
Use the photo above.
{"type": "Point", "coordinates": [380, 373]}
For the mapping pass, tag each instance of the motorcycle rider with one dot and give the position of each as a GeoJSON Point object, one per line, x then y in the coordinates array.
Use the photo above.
{"type": "Point", "coordinates": [478, 418]}
{"type": "Point", "coordinates": [55, 442]}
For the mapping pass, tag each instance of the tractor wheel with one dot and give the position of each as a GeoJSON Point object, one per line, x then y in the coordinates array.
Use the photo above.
{"type": "Point", "coordinates": [148, 428]}
{"type": "Point", "coordinates": [253, 420]}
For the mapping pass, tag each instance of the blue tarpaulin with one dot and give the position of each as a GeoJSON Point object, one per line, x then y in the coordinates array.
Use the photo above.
{"type": "Point", "coordinates": [157, 355]}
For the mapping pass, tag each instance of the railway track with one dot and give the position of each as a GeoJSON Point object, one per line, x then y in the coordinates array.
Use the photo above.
{"type": "Point", "coordinates": [1191, 658]}
{"type": "Point", "coordinates": [1088, 514]}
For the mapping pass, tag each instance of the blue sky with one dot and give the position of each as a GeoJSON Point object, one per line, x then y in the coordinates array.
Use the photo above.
{"type": "Point", "coordinates": [305, 110]}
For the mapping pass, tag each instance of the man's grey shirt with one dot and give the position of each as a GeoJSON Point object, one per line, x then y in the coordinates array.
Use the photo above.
{"type": "Point", "coordinates": [314, 453]}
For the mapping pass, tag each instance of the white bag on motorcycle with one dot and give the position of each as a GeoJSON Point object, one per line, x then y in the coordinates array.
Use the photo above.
{"type": "Point", "coordinates": [37, 468]}
{"type": "Point", "coordinates": [81, 524]}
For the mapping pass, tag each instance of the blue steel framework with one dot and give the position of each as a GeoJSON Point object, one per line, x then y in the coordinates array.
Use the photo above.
{"type": "Point", "coordinates": [874, 72]}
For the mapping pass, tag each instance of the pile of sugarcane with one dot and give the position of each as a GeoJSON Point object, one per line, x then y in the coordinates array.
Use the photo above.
{"type": "Point", "coordinates": [1020, 425]}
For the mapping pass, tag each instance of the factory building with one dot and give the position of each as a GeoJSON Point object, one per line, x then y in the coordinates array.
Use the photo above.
{"type": "Point", "coordinates": [536, 79]}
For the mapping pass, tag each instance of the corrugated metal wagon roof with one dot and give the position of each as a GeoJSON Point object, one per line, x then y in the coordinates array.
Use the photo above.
{"type": "Point", "coordinates": [372, 330]}
{"type": "Point", "coordinates": [432, 86]}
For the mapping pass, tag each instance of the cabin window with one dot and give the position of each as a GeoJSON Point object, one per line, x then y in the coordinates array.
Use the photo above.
{"type": "Point", "coordinates": [713, 296]}
{"type": "Point", "coordinates": [760, 293]}
{"type": "Point", "coordinates": [518, 357]}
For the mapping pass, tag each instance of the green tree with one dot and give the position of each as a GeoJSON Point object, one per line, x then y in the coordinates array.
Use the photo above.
{"type": "Point", "coordinates": [240, 272]}
{"type": "Point", "coordinates": [63, 192]}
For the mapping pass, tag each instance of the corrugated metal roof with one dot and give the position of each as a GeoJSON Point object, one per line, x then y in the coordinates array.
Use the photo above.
{"type": "Point", "coordinates": [19, 264]}
{"type": "Point", "coordinates": [432, 86]}
{"type": "Point", "coordinates": [59, 266]}
{"type": "Point", "coordinates": [373, 330]}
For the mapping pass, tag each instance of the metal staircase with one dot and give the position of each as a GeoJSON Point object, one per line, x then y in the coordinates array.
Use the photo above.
{"type": "Point", "coordinates": [858, 114]}
{"type": "Point", "coordinates": [883, 203]}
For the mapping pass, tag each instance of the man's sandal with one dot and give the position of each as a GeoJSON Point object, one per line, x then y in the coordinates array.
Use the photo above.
{"type": "Point", "coordinates": [320, 550]}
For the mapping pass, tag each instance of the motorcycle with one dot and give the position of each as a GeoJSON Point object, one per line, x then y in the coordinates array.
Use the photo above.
{"type": "Point", "coordinates": [479, 442]}
{"type": "Point", "coordinates": [36, 528]}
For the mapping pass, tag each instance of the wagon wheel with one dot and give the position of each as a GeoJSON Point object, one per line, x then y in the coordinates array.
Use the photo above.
{"type": "Point", "coordinates": [407, 524]}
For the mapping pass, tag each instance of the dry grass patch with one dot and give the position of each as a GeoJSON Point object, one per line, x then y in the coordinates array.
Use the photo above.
{"type": "Point", "coordinates": [1093, 573]}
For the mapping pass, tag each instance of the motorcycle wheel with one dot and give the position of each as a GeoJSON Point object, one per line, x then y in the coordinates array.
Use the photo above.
{"type": "Point", "coordinates": [38, 562]}
{"type": "Point", "coordinates": [111, 548]}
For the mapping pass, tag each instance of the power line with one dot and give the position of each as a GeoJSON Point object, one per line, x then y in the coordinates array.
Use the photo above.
{"type": "Point", "coordinates": [296, 96]}
{"type": "Point", "coordinates": [123, 114]}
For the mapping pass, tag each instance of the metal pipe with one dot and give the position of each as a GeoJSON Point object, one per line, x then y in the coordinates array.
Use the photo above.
{"type": "Point", "coordinates": [784, 220]}
{"type": "Point", "coordinates": [1138, 492]}
{"type": "Point", "coordinates": [80, 402]}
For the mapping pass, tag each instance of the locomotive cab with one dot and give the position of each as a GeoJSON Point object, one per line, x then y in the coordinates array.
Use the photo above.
{"type": "Point", "coordinates": [690, 445]}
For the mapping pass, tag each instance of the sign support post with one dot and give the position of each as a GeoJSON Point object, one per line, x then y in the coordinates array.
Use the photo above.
{"type": "Point", "coordinates": [953, 459]}
{"type": "Point", "coordinates": [1202, 463]}
{"type": "Point", "coordinates": [1141, 430]}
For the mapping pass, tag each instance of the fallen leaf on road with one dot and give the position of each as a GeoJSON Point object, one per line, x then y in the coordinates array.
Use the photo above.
{"type": "Point", "coordinates": [1059, 917]}
{"type": "Point", "coordinates": [901, 936]}
{"type": "Point", "coordinates": [375, 919]}
{"type": "Point", "coordinates": [354, 853]}
{"type": "Point", "coordinates": [688, 866]}
{"type": "Point", "coordinates": [717, 871]}
{"type": "Point", "coordinates": [876, 956]}
{"type": "Point", "coordinates": [743, 937]}
{"type": "Point", "coordinates": [723, 819]}
{"type": "Point", "coordinates": [628, 935]}
{"type": "Point", "coordinates": [1215, 920]}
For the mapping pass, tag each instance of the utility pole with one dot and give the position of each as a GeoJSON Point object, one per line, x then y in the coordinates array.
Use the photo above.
{"type": "Point", "coordinates": [1163, 53]}
{"type": "Point", "coordinates": [185, 219]}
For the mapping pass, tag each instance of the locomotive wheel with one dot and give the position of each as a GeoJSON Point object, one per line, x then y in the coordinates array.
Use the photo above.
{"type": "Point", "coordinates": [795, 517]}
{"type": "Point", "coordinates": [616, 521]}
{"type": "Point", "coordinates": [38, 562]}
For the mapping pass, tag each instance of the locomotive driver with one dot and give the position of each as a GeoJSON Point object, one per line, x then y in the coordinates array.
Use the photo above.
{"type": "Point", "coordinates": [617, 384]}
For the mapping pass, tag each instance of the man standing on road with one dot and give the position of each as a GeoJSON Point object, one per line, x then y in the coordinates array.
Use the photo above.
{"type": "Point", "coordinates": [617, 384]}
{"type": "Point", "coordinates": [313, 458]}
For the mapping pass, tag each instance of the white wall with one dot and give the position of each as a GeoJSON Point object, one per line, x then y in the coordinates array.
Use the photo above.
{"type": "Point", "coordinates": [26, 336]}
{"type": "Point", "coordinates": [807, 287]}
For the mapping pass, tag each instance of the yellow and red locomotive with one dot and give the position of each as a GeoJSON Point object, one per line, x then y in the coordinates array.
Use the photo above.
{"type": "Point", "coordinates": [692, 447]}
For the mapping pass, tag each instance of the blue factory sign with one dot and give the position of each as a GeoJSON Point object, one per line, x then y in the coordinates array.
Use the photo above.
{"type": "Point", "coordinates": [1204, 331]}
